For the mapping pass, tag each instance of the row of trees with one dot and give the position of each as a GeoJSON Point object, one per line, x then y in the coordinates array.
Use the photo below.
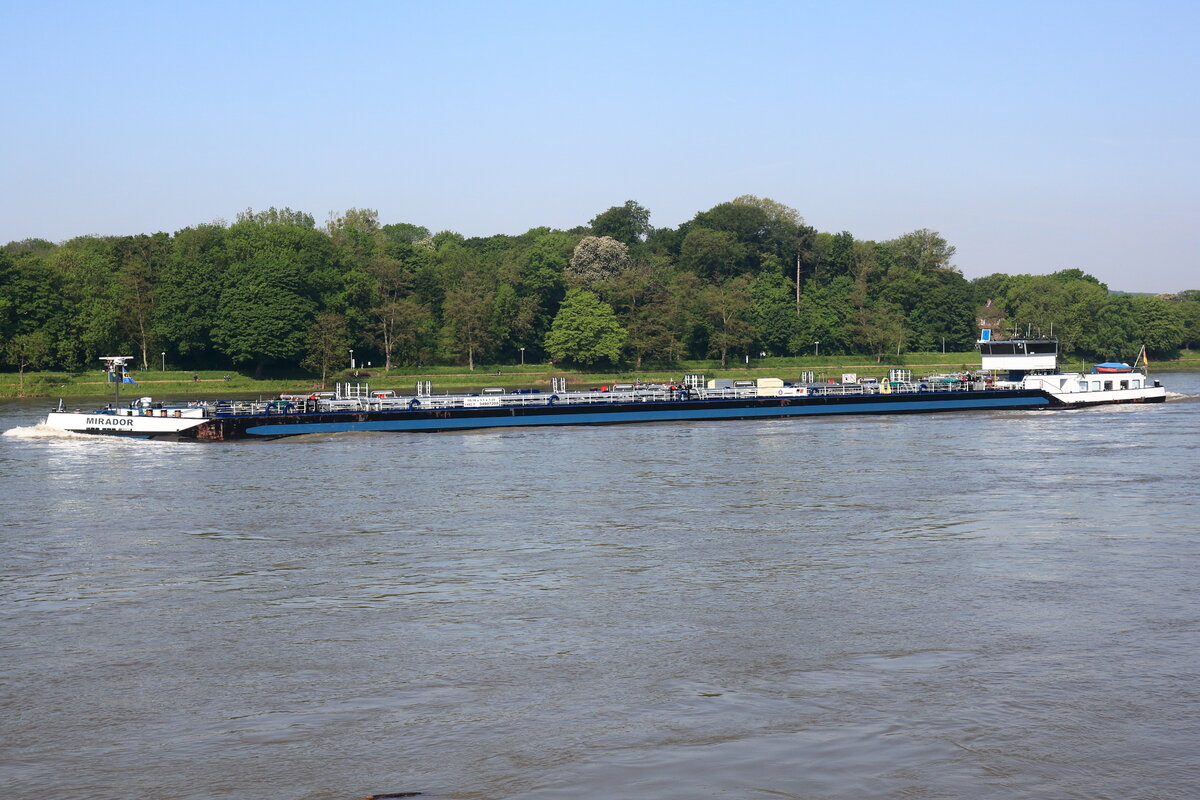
{"type": "Point", "coordinates": [275, 290]}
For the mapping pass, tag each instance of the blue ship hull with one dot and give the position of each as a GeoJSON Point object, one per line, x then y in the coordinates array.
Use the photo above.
{"type": "Point", "coordinates": [432, 420]}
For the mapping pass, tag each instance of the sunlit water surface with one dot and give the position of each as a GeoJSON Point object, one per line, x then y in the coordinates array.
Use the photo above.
{"type": "Point", "coordinates": [985, 605]}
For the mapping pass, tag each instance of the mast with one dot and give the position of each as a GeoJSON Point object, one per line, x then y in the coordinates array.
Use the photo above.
{"type": "Point", "coordinates": [115, 366]}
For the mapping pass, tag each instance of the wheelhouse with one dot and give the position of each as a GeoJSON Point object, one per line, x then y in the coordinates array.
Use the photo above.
{"type": "Point", "coordinates": [1019, 357]}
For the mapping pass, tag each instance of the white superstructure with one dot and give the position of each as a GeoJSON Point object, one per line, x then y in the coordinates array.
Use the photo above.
{"type": "Point", "coordinates": [1077, 389]}
{"type": "Point", "coordinates": [1019, 355]}
{"type": "Point", "coordinates": [1033, 364]}
{"type": "Point", "coordinates": [141, 418]}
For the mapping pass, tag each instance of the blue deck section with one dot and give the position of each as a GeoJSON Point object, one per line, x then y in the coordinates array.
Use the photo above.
{"type": "Point", "coordinates": [648, 415]}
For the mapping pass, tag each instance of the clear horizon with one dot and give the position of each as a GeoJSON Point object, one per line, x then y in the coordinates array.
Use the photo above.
{"type": "Point", "coordinates": [1033, 137]}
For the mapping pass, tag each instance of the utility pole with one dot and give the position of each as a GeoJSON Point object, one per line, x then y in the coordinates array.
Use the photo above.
{"type": "Point", "coordinates": [797, 283]}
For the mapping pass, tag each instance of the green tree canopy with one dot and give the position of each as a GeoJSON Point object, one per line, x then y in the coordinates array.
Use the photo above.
{"type": "Point", "coordinates": [1159, 325]}
{"type": "Point", "coordinates": [585, 331]}
{"type": "Point", "coordinates": [25, 351]}
{"type": "Point", "coordinates": [468, 315]}
{"type": "Point", "coordinates": [277, 216]}
{"type": "Point", "coordinates": [923, 250]}
{"type": "Point", "coordinates": [773, 312]}
{"type": "Point", "coordinates": [711, 253]}
{"type": "Point", "coordinates": [404, 232]}
{"type": "Point", "coordinates": [744, 274]}
{"type": "Point", "coordinates": [189, 288]}
{"type": "Point", "coordinates": [326, 345]}
{"type": "Point", "coordinates": [628, 223]}
{"type": "Point", "coordinates": [259, 322]}
{"type": "Point", "coordinates": [728, 308]}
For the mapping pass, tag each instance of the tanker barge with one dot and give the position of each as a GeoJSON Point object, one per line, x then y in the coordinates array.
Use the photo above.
{"type": "Point", "coordinates": [1015, 374]}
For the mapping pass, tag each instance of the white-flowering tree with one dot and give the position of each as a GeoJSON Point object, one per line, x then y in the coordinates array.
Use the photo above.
{"type": "Point", "coordinates": [596, 259]}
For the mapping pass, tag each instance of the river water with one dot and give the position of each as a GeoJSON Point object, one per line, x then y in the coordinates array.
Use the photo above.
{"type": "Point", "coordinates": [984, 604]}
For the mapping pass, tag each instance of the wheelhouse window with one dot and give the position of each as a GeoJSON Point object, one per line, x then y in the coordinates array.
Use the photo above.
{"type": "Point", "coordinates": [1019, 347]}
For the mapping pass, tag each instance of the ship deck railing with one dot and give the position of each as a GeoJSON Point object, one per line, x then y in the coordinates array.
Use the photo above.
{"type": "Point", "coordinates": [894, 387]}
{"type": "Point", "coordinates": [239, 408]}
{"type": "Point", "coordinates": [520, 399]}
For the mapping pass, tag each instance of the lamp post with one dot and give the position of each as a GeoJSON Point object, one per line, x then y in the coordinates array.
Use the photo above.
{"type": "Point", "coordinates": [522, 356]}
{"type": "Point", "coordinates": [164, 361]}
{"type": "Point", "coordinates": [818, 345]}
{"type": "Point", "coordinates": [351, 359]}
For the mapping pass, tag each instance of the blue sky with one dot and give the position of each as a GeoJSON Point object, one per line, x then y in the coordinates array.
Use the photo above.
{"type": "Point", "coordinates": [1033, 136]}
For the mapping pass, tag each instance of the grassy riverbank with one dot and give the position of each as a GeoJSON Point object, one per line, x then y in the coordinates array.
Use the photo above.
{"type": "Point", "coordinates": [92, 385]}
